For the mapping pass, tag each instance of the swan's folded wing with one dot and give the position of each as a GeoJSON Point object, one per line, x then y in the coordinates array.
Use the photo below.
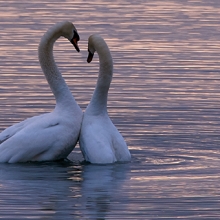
{"type": "Point", "coordinates": [39, 141]}
{"type": "Point", "coordinates": [122, 152]}
{"type": "Point", "coordinates": [12, 130]}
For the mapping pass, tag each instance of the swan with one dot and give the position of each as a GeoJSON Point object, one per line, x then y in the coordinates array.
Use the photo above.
{"type": "Point", "coordinates": [100, 141]}
{"type": "Point", "coordinates": [50, 136]}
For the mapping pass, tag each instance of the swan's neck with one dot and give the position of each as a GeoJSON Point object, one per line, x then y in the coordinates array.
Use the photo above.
{"type": "Point", "coordinates": [57, 84]}
{"type": "Point", "coordinates": [98, 103]}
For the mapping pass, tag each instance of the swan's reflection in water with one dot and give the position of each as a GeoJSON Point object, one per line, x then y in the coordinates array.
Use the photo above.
{"type": "Point", "coordinates": [59, 190]}
{"type": "Point", "coordinates": [35, 190]}
{"type": "Point", "coordinates": [101, 186]}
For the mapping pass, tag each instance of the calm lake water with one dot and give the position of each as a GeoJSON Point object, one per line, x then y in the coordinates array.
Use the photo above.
{"type": "Point", "coordinates": [164, 99]}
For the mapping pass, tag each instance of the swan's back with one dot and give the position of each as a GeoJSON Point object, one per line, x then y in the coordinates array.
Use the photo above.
{"type": "Point", "coordinates": [41, 138]}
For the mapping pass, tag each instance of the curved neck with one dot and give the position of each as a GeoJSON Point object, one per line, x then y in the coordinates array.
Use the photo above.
{"type": "Point", "coordinates": [55, 80]}
{"type": "Point", "coordinates": [98, 103]}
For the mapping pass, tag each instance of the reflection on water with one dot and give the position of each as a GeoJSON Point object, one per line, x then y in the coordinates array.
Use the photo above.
{"type": "Point", "coordinates": [164, 98]}
{"type": "Point", "coordinates": [100, 186]}
{"type": "Point", "coordinates": [61, 190]}
{"type": "Point", "coordinates": [34, 190]}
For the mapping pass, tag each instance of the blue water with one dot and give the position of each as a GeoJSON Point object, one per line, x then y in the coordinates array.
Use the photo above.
{"type": "Point", "coordinates": [164, 99]}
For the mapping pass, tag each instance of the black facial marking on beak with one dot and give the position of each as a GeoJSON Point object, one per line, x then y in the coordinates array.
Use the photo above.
{"type": "Point", "coordinates": [75, 40]}
{"type": "Point", "coordinates": [90, 56]}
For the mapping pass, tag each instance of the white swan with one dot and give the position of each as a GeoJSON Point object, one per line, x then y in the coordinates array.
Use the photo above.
{"type": "Point", "coordinates": [100, 141]}
{"type": "Point", "coordinates": [50, 136]}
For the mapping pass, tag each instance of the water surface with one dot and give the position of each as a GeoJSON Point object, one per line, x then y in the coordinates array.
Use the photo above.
{"type": "Point", "coordinates": [164, 99]}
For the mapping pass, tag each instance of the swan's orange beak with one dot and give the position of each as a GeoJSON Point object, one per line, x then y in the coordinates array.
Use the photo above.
{"type": "Point", "coordinates": [90, 56]}
{"type": "Point", "coordinates": [75, 40]}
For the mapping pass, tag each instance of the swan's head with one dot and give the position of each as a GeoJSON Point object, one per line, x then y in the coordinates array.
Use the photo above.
{"type": "Point", "coordinates": [93, 41]}
{"type": "Point", "coordinates": [70, 32]}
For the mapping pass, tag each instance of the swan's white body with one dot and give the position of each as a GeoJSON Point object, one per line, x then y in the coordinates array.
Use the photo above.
{"type": "Point", "coordinates": [50, 136]}
{"type": "Point", "coordinates": [100, 141]}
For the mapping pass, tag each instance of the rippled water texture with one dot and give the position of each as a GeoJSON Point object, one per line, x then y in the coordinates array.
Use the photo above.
{"type": "Point", "coordinates": [164, 98]}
